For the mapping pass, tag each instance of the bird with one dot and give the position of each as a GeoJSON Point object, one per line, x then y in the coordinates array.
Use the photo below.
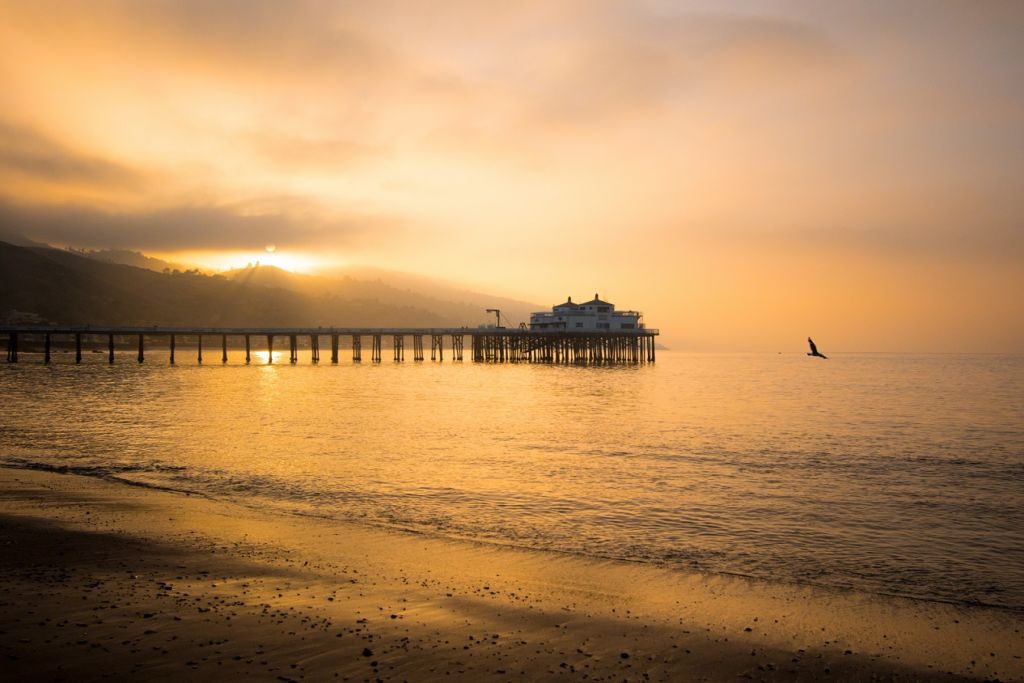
{"type": "Point", "coordinates": [814, 350]}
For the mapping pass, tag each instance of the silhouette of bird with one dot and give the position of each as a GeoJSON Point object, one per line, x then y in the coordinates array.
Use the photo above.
{"type": "Point", "coordinates": [814, 350]}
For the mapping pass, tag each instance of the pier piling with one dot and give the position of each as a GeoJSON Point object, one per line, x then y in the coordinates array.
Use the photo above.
{"type": "Point", "coordinates": [488, 345]}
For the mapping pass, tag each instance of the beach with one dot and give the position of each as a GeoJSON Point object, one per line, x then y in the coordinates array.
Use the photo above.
{"type": "Point", "coordinates": [100, 579]}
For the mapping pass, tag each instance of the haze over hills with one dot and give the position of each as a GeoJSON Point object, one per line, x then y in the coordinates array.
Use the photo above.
{"type": "Point", "coordinates": [128, 257]}
{"type": "Point", "coordinates": [46, 285]}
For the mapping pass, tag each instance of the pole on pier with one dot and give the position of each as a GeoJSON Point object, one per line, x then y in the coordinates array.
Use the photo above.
{"type": "Point", "coordinates": [46, 349]}
{"type": "Point", "coordinates": [78, 348]}
{"type": "Point", "coordinates": [142, 354]}
{"type": "Point", "coordinates": [224, 348]}
{"type": "Point", "coordinates": [200, 349]}
{"type": "Point", "coordinates": [334, 349]}
{"type": "Point", "coordinates": [270, 349]}
{"type": "Point", "coordinates": [172, 349]}
{"type": "Point", "coordinates": [248, 356]}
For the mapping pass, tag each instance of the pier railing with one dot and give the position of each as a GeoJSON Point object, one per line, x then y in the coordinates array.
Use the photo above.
{"type": "Point", "coordinates": [487, 344]}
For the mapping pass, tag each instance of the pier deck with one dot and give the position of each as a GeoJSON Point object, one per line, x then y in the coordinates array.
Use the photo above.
{"type": "Point", "coordinates": [487, 344]}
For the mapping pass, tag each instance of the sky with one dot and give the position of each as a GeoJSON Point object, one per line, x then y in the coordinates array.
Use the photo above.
{"type": "Point", "coordinates": [745, 173]}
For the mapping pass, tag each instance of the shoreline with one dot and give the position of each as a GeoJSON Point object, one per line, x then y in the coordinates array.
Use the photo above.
{"type": "Point", "coordinates": [103, 578]}
{"type": "Point", "coordinates": [283, 510]}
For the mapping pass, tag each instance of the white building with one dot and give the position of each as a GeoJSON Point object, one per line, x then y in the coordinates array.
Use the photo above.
{"type": "Point", "coordinates": [592, 315]}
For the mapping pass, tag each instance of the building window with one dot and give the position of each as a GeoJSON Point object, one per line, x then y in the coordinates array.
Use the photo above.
{"type": "Point", "coordinates": [603, 326]}
{"type": "Point", "coordinates": [579, 324]}
{"type": "Point", "coordinates": [602, 309]}
{"type": "Point", "coordinates": [626, 326]}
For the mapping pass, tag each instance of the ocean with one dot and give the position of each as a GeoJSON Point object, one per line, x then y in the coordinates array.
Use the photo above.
{"type": "Point", "coordinates": [886, 473]}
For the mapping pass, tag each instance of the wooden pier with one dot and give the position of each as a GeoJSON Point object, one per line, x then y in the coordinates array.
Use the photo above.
{"type": "Point", "coordinates": [487, 344]}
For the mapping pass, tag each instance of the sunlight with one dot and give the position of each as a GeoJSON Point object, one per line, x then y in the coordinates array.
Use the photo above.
{"type": "Point", "coordinates": [271, 255]}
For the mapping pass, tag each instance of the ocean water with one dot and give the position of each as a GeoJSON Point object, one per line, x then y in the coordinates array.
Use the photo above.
{"type": "Point", "coordinates": [892, 474]}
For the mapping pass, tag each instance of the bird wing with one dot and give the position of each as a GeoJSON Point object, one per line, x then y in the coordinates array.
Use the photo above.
{"type": "Point", "coordinates": [814, 349]}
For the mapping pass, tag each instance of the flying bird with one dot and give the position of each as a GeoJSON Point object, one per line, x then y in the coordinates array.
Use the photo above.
{"type": "Point", "coordinates": [814, 350]}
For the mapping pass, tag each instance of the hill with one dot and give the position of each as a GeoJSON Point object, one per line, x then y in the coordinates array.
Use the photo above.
{"type": "Point", "coordinates": [40, 284]}
{"type": "Point", "coordinates": [390, 288]}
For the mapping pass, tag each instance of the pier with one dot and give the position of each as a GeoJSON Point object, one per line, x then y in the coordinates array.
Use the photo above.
{"type": "Point", "coordinates": [486, 344]}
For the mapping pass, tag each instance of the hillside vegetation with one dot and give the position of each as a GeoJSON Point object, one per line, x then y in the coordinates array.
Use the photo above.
{"type": "Point", "coordinates": [45, 285]}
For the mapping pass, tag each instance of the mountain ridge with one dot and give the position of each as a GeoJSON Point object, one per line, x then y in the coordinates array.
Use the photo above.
{"type": "Point", "coordinates": [43, 285]}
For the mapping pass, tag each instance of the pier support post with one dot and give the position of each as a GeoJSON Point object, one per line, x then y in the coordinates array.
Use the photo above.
{"type": "Point", "coordinates": [224, 348]}
{"type": "Point", "coordinates": [357, 348]}
{"type": "Point", "coordinates": [248, 355]}
{"type": "Point", "coordinates": [375, 354]}
{"type": "Point", "coordinates": [46, 349]}
{"type": "Point", "coordinates": [270, 349]}
{"type": "Point", "coordinates": [78, 348]}
{"type": "Point", "coordinates": [334, 349]}
{"type": "Point", "coordinates": [417, 347]}
{"type": "Point", "coordinates": [110, 349]}
{"type": "Point", "coordinates": [314, 347]}
{"type": "Point", "coordinates": [172, 349]}
{"type": "Point", "coordinates": [12, 347]}
{"type": "Point", "coordinates": [200, 353]}
{"type": "Point", "coordinates": [142, 352]}
{"type": "Point", "coordinates": [293, 349]}
{"type": "Point", "coordinates": [399, 343]}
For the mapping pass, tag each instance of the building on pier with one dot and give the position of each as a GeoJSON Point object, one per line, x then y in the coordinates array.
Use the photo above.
{"type": "Point", "coordinates": [591, 315]}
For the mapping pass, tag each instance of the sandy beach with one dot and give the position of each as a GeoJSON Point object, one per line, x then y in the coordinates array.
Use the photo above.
{"type": "Point", "coordinates": [102, 580]}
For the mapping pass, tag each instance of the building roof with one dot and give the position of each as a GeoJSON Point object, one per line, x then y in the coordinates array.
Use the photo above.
{"type": "Point", "coordinates": [596, 301]}
{"type": "Point", "coordinates": [569, 302]}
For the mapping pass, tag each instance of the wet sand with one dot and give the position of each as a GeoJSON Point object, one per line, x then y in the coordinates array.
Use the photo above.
{"type": "Point", "coordinates": [101, 580]}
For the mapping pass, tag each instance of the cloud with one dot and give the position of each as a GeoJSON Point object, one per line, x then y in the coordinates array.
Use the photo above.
{"type": "Point", "coordinates": [28, 153]}
{"type": "Point", "coordinates": [190, 227]}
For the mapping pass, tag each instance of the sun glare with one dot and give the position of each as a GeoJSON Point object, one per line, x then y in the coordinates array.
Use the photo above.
{"type": "Point", "coordinates": [271, 255]}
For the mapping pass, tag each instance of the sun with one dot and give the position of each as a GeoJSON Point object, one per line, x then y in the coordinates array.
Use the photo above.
{"type": "Point", "coordinates": [296, 263]}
